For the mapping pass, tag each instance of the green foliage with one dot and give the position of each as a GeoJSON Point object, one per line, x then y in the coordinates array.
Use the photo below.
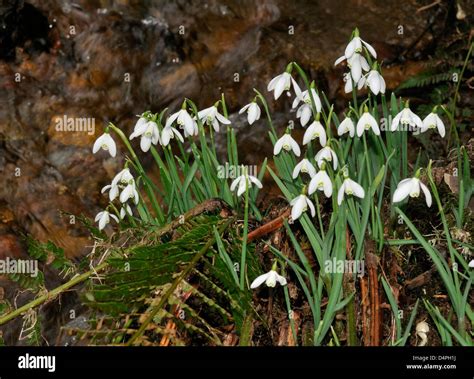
{"type": "Point", "coordinates": [427, 78]}
{"type": "Point", "coordinates": [204, 304]}
{"type": "Point", "coordinates": [43, 252]}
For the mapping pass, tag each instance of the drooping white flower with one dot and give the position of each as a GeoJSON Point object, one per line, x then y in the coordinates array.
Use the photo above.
{"type": "Point", "coordinates": [411, 187]}
{"type": "Point", "coordinates": [374, 81]}
{"type": "Point", "coordinates": [129, 192]}
{"type": "Point", "coordinates": [184, 121]}
{"type": "Point", "coordinates": [299, 205]}
{"type": "Point", "coordinates": [287, 142]}
{"type": "Point", "coordinates": [139, 127]}
{"type": "Point", "coordinates": [124, 177]}
{"type": "Point", "coordinates": [315, 130]}
{"type": "Point", "coordinates": [366, 122]}
{"type": "Point", "coordinates": [357, 63]}
{"type": "Point", "coordinates": [253, 112]}
{"type": "Point", "coordinates": [240, 183]}
{"type": "Point", "coordinates": [320, 182]}
{"type": "Point", "coordinates": [211, 116]}
{"type": "Point", "coordinates": [346, 126]}
{"type": "Point", "coordinates": [305, 111]}
{"type": "Point", "coordinates": [194, 131]}
{"type": "Point", "coordinates": [280, 83]}
{"type": "Point", "coordinates": [406, 117]}
{"type": "Point", "coordinates": [104, 218]}
{"type": "Point", "coordinates": [471, 264]}
{"type": "Point", "coordinates": [305, 166]}
{"type": "Point", "coordinates": [433, 121]}
{"type": "Point", "coordinates": [355, 46]}
{"type": "Point", "coordinates": [125, 210]}
{"type": "Point", "coordinates": [270, 278]}
{"type": "Point", "coordinates": [113, 191]}
{"type": "Point", "coordinates": [350, 187]}
{"type": "Point", "coordinates": [105, 142]}
{"type": "Point", "coordinates": [123, 180]}
{"type": "Point", "coordinates": [169, 132]}
{"type": "Point", "coordinates": [326, 154]}
{"type": "Point", "coordinates": [347, 82]}
{"type": "Point", "coordinates": [149, 133]}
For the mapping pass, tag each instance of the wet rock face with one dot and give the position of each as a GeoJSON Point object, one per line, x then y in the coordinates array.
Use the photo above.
{"type": "Point", "coordinates": [110, 62]}
{"type": "Point", "coordinates": [22, 25]}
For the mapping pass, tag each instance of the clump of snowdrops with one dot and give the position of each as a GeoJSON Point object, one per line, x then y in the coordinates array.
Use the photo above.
{"type": "Point", "coordinates": [355, 164]}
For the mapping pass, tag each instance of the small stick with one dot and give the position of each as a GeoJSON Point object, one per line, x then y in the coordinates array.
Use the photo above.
{"type": "Point", "coordinates": [269, 227]}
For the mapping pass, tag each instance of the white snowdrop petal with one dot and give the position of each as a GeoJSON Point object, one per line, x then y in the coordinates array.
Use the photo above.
{"type": "Point", "coordinates": [358, 190]}
{"type": "Point", "coordinates": [340, 194]}
{"type": "Point", "coordinates": [259, 281]}
{"type": "Point", "coordinates": [234, 183]}
{"type": "Point", "coordinates": [402, 191]}
{"type": "Point", "coordinates": [427, 193]}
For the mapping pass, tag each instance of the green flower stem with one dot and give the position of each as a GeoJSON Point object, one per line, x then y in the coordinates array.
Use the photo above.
{"type": "Point", "coordinates": [243, 261]}
{"type": "Point", "coordinates": [369, 173]}
{"type": "Point", "coordinates": [141, 171]}
{"type": "Point", "coordinates": [267, 112]}
{"type": "Point", "coordinates": [50, 295]}
{"type": "Point", "coordinates": [320, 219]}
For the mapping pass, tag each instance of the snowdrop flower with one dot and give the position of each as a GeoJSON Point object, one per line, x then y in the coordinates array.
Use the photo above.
{"type": "Point", "coordinates": [270, 279]}
{"type": "Point", "coordinates": [194, 131]}
{"type": "Point", "coordinates": [139, 126]}
{"type": "Point", "coordinates": [374, 81]}
{"type": "Point", "coordinates": [411, 187]}
{"type": "Point", "coordinates": [471, 264]}
{"type": "Point", "coordinates": [184, 121]}
{"type": "Point", "coordinates": [149, 133]}
{"type": "Point", "coordinates": [315, 130]}
{"type": "Point", "coordinates": [321, 182]}
{"type": "Point", "coordinates": [304, 166]}
{"type": "Point", "coordinates": [169, 132]}
{"type": "Point", "coordinates": [287, 142]}
{"type": "Point", "coordinates": [347, 82]}
{"type": "Point", "coordinates": [242, 181]}
{"type": "Point", "coordinates": [129, 192]}
{"type": "Point", "coordinates": [346, 126]}
{"type": "Point", "coordinates": [305, 111]}
{"type": "Point", "coordinates": [349, 187]}
{"type": "Point", "coordinates": [355, 46]}
{"type": "Point", "coordinates": [253, 112]}
{"type": "Point", "coordinates": [123, 177]}
{"type": "Point", "coordinates": [299, 205]}
{"type": "Point", "coordinates": [406, 117]}
{"type": "Point", "coordinates": [104, 218]}
{"type": "Point", "coordinates": [125, 210]}
{"type": "Point", "coordinates": [280, 83]}
{"type": "Point", "coordinates": [366, 122]}
{"type": "Point", "coordinates": [357, 63]}
{"type": "Point", "coordinates": [433, 121]}
{"type": "Point", "coordinates": [105, 142]}
{"type": "Point", "coordinates": [211, 116]}
{"type": "Point", "coordinates": [326, 154]}
{"type": "Point", "coordinates": [113, 191]}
